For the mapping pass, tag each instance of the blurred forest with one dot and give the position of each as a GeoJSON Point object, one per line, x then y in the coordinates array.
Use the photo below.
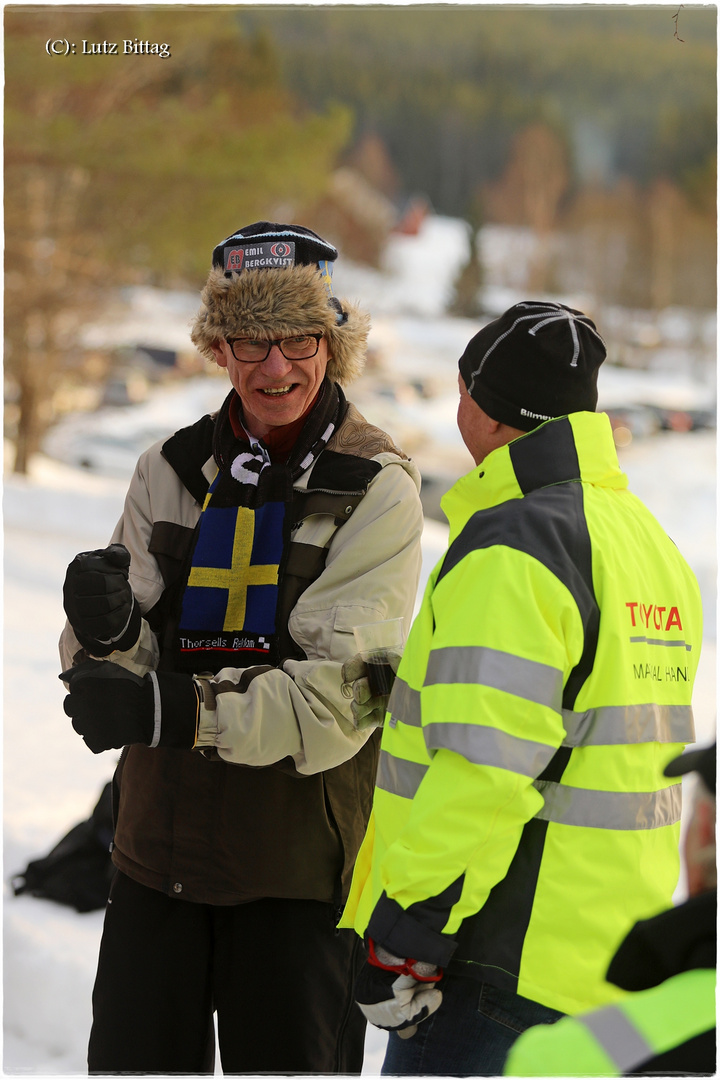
{"type": "Point", "coordinates": [592, 126]}
{"type": "Point", "coordinates": [447, 89]}
{"type": "Point", "coordinates": [595, 126]}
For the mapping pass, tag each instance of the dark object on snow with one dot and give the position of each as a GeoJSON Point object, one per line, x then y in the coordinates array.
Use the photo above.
{"type": "Point", "coordinates": [78, 870]}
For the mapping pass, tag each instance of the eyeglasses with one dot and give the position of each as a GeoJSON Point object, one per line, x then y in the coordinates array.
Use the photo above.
{"type": "Point", "coordinates": [252, 351]}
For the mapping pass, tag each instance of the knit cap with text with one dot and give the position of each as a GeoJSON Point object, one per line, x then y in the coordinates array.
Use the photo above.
{"type": "Point", "coordinates": [269, 280]}
{"type": "Point", "coordinates": [537, 361]}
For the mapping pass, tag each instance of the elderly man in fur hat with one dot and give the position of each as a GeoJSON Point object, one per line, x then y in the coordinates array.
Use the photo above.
{"type": "Point", "coordinates": [208, 640]}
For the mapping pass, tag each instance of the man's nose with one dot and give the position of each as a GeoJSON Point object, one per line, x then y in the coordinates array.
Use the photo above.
{"type": "Point", "coordinates": [275, 363]}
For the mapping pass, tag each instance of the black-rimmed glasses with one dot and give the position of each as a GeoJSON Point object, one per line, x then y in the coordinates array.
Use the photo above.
{"type": "Point", "coordinates": [254, 351]}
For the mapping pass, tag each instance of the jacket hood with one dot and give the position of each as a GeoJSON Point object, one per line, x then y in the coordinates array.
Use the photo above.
{"type": "Point", "coordinates": [278, 303]}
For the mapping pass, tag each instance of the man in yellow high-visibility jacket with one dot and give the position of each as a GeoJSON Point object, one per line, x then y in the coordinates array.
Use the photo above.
{"type": "Point", "coordinates": [521, 821]}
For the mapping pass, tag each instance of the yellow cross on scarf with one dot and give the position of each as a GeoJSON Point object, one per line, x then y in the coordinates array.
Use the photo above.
{"type": "Point", "coordinates": [241, 573]}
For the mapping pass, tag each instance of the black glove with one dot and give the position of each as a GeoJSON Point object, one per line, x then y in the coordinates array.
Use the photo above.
{"type": "Point", "coordinates": [112, 707]}
{"type": "Point", "coordinates": [396, 994]}
{"type": "Point", "coordinates": [99, 602]}
{"type": "Point", "coordinates": [368, 709]}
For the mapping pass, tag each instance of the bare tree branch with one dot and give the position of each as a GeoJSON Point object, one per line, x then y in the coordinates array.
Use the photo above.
{"type": "Point", "coordinates": [675, 20]}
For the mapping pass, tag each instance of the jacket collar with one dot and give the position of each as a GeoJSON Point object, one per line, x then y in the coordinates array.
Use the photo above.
{"type": "Point", "coordinates": [574, 448]}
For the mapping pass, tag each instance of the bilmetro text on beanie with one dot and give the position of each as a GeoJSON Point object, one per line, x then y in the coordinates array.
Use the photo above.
{"type": "Point", "coordinates": [270, 280]}
{"type": "Point", "coordinates": [536, 362]}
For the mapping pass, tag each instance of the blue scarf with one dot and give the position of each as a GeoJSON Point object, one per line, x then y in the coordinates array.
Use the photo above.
{"type": "Point", "coordinates": [228, 609]}
{"type": "Point", "coordinates": [230, 601]}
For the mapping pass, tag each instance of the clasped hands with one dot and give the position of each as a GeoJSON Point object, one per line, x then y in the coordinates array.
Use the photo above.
{"type": "Point", "coordinates": [368, 708]}
{"type": "Point", "coordinates": [112, 707]}
{"type": "Point", "coordinates": [396, 993]}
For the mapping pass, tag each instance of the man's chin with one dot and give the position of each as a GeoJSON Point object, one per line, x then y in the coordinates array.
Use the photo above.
{"type": "Point", "coordinates": [276, 410]}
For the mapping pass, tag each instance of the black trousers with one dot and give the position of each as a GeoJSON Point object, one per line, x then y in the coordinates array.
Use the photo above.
{"type": "Point", "coordinates": [277, 972]}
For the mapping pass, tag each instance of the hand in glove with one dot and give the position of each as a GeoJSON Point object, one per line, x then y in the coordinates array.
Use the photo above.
{"type": "Point", "coordinates": [112, 707]}
{"type": "Point", "coordinates": [99, 601]}
{"type": "Point", "coordinates": [396, 994]}
{"type": "Point", "coordinates": [368, 709]}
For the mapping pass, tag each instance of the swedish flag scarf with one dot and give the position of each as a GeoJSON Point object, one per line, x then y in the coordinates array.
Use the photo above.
{"type": "Point", "coordinates": [230, 600]}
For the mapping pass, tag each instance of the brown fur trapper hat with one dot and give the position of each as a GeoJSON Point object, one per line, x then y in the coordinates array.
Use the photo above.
{"type": "Point", "coordinates": [253, 291]}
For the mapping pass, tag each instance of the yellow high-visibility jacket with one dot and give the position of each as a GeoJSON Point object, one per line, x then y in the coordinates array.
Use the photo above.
{"type": "Point", "coordinates": [521, 822]}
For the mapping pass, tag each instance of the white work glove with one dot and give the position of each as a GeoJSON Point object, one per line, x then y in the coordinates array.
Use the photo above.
{"type": "Point", "coordinates": [396, 994]}
{"type": "Point", "coordinates": [368, 709]}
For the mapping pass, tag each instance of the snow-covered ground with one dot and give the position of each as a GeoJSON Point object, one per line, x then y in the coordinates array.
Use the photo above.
{"type": "Point", "coordinates": [51, 781]}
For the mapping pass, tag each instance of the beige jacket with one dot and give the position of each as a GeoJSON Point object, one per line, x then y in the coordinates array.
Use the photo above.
{"type": "Point", "coordinates": [371, 572]}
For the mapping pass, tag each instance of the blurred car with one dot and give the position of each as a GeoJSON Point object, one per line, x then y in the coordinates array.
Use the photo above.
{"type": "Point", "coordinates": [687, 419]}
{"type": "Point", "coordinates": [632, 422]}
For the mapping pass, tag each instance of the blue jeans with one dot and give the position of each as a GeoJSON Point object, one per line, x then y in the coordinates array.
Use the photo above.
{"type": "Point", "coordinates": [469, 1035]}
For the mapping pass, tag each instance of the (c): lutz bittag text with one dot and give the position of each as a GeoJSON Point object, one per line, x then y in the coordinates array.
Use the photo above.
{"type": "Point", "coordinates": [126, 47]}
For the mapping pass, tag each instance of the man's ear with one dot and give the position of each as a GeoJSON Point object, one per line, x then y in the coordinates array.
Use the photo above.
{"type": "Point", "coordinates": [219, 354]}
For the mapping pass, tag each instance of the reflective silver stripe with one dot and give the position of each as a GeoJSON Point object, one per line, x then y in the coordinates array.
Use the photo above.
{"type": "Point", "coordinates": [501, 670]}
{"type": "Point", "coordinates": [621, 1041]}
{"type": "Point", "coordinates": [488, 746]}
{"type": "Point", "coordinates": [398, 776]}
{"type": "Point", "coordinates": [659, 641]}
{"type": "Point", "coordinates": [609, 809]}
{"type": "Point", "coordinates": [404, 704]}
{"type": "Point", "coordinates": [563, 805]}
{"type": "Point", "coordinates": [616, 725]}
{"type": "Point", "coordinates": [157, 709]}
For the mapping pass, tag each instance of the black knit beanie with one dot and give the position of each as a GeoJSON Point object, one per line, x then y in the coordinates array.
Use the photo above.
{"type": "Point", "coordinates": [537, 361]}
{"type": "Point", "coordinates": [267, 245]}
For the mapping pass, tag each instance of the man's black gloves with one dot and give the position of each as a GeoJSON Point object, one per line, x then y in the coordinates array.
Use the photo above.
{"type": "Point", "coordinates": [112, 707]}
{"type": "Point", "coordinates": [99, 602]}
{"type": "Point", "coordinates": [396, 994]}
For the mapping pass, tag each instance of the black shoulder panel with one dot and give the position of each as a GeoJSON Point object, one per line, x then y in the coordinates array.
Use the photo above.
{"type": "Point", "coordinates": [548, 525]}
{"type": "Point", "coordinates": [187, 451]}
{"type": "Point", "coordinates": [550, 457]}
{"type": "Point", "coordinates": [342, 472]}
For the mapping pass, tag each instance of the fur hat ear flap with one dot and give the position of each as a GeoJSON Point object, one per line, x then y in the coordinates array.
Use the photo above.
{"type": "Point", "coordinates": [276, 303]}
{"type": "Point", "coordinates": [347, 344]}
